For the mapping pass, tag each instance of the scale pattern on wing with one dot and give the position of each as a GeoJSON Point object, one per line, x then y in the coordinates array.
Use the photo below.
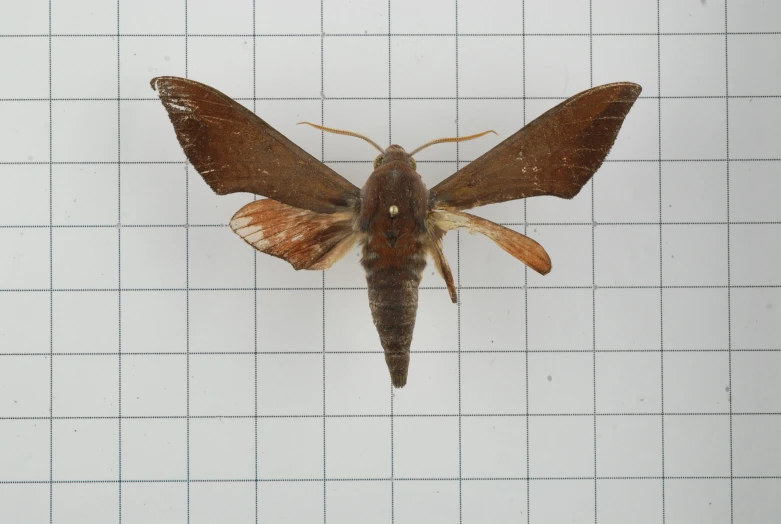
{"type": "Point", "coordinates": [305, 239]}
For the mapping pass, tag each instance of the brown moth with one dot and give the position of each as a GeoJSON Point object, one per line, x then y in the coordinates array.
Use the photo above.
{"type": "Point", "coordinates": [311, 216]}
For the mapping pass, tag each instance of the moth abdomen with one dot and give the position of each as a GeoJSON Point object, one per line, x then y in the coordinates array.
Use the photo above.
{"type": "Point", "coordinates": [393, 301]}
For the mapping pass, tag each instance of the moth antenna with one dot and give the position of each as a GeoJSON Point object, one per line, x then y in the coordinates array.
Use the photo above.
{"type": "Point", "coordinates": [454, 139]}
{"type": "Point", "coordinates": [343, 132]}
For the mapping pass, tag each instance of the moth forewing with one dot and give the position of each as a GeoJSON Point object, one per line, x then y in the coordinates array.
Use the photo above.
{"type": "Point", "coordinates": [235, 151]}
{"type": "Point", "coordinates": [556, 154]}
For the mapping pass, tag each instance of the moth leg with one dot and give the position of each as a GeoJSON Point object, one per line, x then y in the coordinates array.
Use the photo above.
{"type": "Point", "coordinates": [443, 268]}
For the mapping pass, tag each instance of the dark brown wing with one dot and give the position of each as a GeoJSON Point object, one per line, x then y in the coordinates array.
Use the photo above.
{"type": "Point", "coordinates": [235, 151]}
{"type": "Point", "coordinates": [555, 154]}
{"type": "Point", "coordinates": [306, 239]}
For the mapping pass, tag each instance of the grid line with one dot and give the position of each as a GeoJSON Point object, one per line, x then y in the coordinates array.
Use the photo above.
{"type": "Point", "coordinates": [458, 288]}
{"type": "Point", "coordinates": [361, 288]}
{"type": "Point", "coordinates": [383, 98]}
{"type": "Point", "coordinates": [379, 352]}
{"type": "Point", "coordinates": [525, 276]}
{"type": "Point", "coordinates": [322, 281]}
{"type": "Point", "coordinates": [343, 161]}
{"type": "Point", "coordinates": [51, 280]}
{"type": "Point", "coordinates": [255, 271]}
{"type": "Point", "coordinates": [386, 479]}
{"type": "Point", "coordinates": [187, 258]}
{"type": "Point", "coordinates": [376, 35]}
{"type": "Point", "coordinates": [729, 275]}
{"type": "Point", "coordinates": [593, 277]}
{"type": "Point", "coordinates": [119, 266]}
{"type": "Point", "coordinates": [390, 387]}
{"type": "Point", "coordinates": [403, 415]}
{"type": "Point", "coordinates": [524, 224]}
{"type": "Point", "coordinates": [661, 248]}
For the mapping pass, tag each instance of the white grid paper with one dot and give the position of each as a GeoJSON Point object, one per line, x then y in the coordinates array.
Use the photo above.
{"type": "Point", "coordinates": [154, 369]}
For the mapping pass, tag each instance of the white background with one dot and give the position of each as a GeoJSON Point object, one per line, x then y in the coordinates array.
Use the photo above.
{"type": "Point", "coordinates": [153, 369]}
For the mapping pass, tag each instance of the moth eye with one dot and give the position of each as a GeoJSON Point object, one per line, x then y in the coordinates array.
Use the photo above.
{"type": "Point", "coordinates": [414, 164]}
{"type": "Point", "coordinates": [378, 161]}
{"type": "Point", "coordinates": [393, 211]}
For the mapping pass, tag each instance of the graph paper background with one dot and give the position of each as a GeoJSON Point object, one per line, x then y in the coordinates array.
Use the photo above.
{"type": "Point", "coordinates": [153, 369]}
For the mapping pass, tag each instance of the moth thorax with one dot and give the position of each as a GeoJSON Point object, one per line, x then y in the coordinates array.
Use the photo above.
{"type": "Point", "coordinates": [393, 211]}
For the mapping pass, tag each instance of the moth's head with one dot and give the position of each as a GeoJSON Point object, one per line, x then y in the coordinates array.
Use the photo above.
{"type": "Point", "coordinates": [394, 153]}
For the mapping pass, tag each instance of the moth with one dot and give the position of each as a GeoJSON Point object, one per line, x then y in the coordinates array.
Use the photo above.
{"type": "Point", "coordinates": [311, 216]}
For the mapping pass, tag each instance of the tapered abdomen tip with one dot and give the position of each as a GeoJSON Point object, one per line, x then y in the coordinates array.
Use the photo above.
{"type": "Point", "coordinates": [399, 381]}
{"type": "Point", "coordinates": [398, 364]}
